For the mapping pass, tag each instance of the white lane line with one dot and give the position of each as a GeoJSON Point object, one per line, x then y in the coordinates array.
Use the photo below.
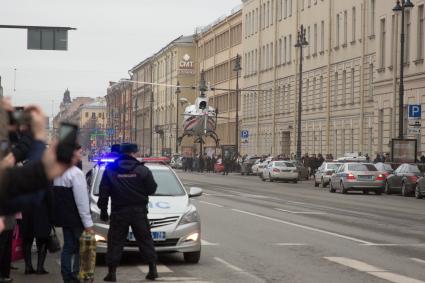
{"type": "Point", "coordinates": [178, 279]}
{"type": "Point", "coordinates": [305, 227]}
{"type": "Point", "coordinates": [301, 212]}
{"type": "Point", "coordinates": [210, 203]}
{"type": "Point", "coordinates": [218, 195]}
{"type": "Point", "coordinates": [393, 245]}
{"type": "Point", "coordinates": [161, 269]}
{"type": "Point", "coordinates": [290, 244]}
{"type": "Point", "coordinates": [206, 243]}
{"type": "Point", "coordinates": [239, 270]}
{"type": "Point", "coordinates": [373, 270]}
{"type": "Point", "coordinates": [418, 260]}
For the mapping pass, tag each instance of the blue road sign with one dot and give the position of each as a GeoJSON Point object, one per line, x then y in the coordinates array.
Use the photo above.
{"type": "Point", "coordinates": [415, 111]}
{"type": "Point", "coordinates": [244, 134]}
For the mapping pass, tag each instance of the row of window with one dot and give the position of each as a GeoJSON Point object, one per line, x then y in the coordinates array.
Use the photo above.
{"type": "Point", "coordinates": [93, 115]}
{"type": "Point", "coordinates": [223, 102]}
{"type": "Point", "coordinates": [221, 42]}
{"type": "Point", "coordinates": [420, 38]}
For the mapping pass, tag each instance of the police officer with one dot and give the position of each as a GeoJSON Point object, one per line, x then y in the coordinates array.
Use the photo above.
{"type": "Point", "coordinates": [129, 184]}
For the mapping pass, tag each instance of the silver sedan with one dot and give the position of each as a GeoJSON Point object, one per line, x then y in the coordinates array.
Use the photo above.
{"type": "Point", "coordinates": [357, 177]}
{"type": "Point", "coordinates": [324, 173]}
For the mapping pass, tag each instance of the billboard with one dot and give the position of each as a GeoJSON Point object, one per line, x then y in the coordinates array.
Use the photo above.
{"type": "Point", "coordinates": [404, 150]}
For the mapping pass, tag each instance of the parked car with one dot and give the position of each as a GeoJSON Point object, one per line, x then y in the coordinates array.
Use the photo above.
{"type": "Point", "coordinates": [280, 170]}
{"type": "Point", "coordinates": [420, 188]}
{"type": "Point", "coordinates": [324, 173]}
{"type": "Point", "coordinates": [403, 180]}
{"type": "Point", "coordinates": [263, 165]}
{"type": "Point", "coordinates": [304, 173]}
{"type": "Point", "coordinates": [254, 167]}
{"type": "Point", "coordinates": [357, 177]}
{"type": "Point", "coordinates": [246, 168]}
{"type": "Point", "coordinates": [384, 168]}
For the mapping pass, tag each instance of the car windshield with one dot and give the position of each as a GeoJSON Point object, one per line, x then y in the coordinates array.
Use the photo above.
{"type": "Point", "coordinates": [384, 167]}
{"type": "Point", "coordinates": [168, 184]}
{"type": "Point", "coordinates": [284, 164]}
{"type": "Point", "coordinates": [333, 166]}
{"type": "Point", "coordinates": [362, 167]}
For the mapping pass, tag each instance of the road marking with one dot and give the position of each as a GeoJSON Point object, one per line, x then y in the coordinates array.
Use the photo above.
{"type": "Point", "coordinates": [178, 279]}
{"type": "Point", "coordinates": [305, 227]}
{"type": "Point", "coordinates": [418, 260]}
{"type": "Point", "coordinates": [206, 243]}
{"type": "Point", "coordinates": [393, 245]}
{"type": "Point", "coordinates": [373, 270]}
{"type": "Point", "coordinates": [239, 270]}
{"type": "Point", "coordinates": [301, 212]}
{"type": "Point", "coordinates": [218, 195]}
{"type": "Point", "coordinates": [210, 203]}
{"type": "Point", "coordinates": [290, 244]}
{"type": "Point", "coordinates": [161, 269]}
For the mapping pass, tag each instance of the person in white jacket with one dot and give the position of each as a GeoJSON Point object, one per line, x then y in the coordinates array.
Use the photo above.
{"type": "Point", "coordinates": [72, 213]}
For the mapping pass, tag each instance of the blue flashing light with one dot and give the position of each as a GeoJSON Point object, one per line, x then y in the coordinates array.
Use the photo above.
{"type": "Point", "coordinates": [107, 160]}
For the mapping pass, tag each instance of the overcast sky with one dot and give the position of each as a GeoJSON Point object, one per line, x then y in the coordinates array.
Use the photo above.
{"type": "Point", "coordinates": [112, 37]}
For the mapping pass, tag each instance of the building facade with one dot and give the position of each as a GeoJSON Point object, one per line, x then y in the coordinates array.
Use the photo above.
{"type": "Point", "coordinates": [119, 112]}
{"type": "Point", "coordinates": [217, 47]}
{"type": "Point", "coordinates": [348, 99]}
{"type": "Point", "coordinates": [143, 105]}
{"type": "Point", "coordinates": [176, 62]}
{"type": "Point", "coordinates": [92, 122]}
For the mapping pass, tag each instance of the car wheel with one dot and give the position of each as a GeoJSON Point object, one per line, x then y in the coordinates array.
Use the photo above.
{"type": "Point", "coordinates": [331, 188]}
{"type": "Point", "coordinates": [404, 190]}
{"type": "Point", "coordinates": [315, 183]}
{"type": "Point", "coordinates": [322, 182]}
{"type": "Point", "coordinates": [365, 192]}
{"type": "Point", "coordinates": [343, 190]}
{"type": "Point", "coordinates": [378, 192]}
{"type": "Point", "coordinates": [192, 257]}
{"type": "Point", "coordinates": [388, 189]}
{"type": "Point", "coordinates": [270, 178]}
{"type": "Point", "coordinates": [418, 194]}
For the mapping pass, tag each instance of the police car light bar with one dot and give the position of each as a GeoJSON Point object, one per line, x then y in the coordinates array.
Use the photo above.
{"type": "Point", "coordinates": [107, 160]}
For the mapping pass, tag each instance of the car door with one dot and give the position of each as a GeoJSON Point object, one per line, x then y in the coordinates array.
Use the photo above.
{"type": "Point", "coordinates": [318, 174]}
{"type": "Point", "coordinates": [336, 177]}
{"type": "Point", "coordinates": [398, 177]}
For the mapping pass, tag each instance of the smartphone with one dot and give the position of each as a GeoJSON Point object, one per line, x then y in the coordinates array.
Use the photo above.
{"type": "Point", "coordinates": [4, 148]}
{"type": "Point", "coordinates": [68, 134]}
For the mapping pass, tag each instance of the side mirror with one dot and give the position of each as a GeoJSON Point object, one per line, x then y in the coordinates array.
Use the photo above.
{"type": "Point", "coordinates": [195, 192]}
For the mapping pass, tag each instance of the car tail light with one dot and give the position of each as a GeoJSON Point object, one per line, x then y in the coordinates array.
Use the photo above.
{"type": "Point", "coordinates": [413, 178]}
{"type": "Point", "coordinates": [381, 177]}
{"type": "Point", "coordinates": [276, 170]}
{"type": "Point", "coordinates": [351, 176]}
{"type": "Point", "coordinates": [329, 173]}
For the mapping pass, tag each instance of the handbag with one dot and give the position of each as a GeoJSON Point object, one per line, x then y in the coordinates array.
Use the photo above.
{"type": "Point", "coordinates": [17, 245]}
{"type": "Point", "coordinates": [53, 244]}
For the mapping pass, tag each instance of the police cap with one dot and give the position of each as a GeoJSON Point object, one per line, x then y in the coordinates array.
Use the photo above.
{"type": "Point", "coordinates": [129, 148]}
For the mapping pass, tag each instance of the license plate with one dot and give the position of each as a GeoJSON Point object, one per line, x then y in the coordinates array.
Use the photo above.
{"type": "Point", "coordinates": [366, 178]}
{"type": "Point", "coordinates": [156, 236]}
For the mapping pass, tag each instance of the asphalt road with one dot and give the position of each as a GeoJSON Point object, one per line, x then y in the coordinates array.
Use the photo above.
{"type": "Point", "coordinates": [277, 232]}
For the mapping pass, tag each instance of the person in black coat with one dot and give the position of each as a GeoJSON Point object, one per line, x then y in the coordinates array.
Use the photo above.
{"type": "Point", "coordinates": [36, 225]}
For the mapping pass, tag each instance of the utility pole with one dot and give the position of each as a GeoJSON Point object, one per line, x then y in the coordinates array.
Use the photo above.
{"type": "Point", "coordinates": [237, 69]}
{"type": "Point", "coordinates": [178, 92]}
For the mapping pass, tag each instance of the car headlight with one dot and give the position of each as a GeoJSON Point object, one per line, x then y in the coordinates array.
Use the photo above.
{"type": "Point", "coordinates": [191, 216]}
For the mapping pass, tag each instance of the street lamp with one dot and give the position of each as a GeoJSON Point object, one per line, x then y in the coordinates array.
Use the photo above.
{"type": "Point", "coordinates": [401, 8]}
{"type": "Point", "coordinates": [237, 69]}
{"type": "Point", "coordinates": [178, 92]}
{"type": "Point", "coordinates": [301, 43]}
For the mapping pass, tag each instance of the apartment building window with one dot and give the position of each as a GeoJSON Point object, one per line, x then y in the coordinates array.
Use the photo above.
{"type": "Point", "coordinates": [279, 52]}
{"type": "Point", "coordinates": [407, 42]}
{"type": "Point", "coordinates": [315, 40]}
{"type": "Point", "coordinates": [93, 115]}
{"type": "Point", "coordinates": [344, 87]}
{"type": "Point", "coordinates": [288, 98]}
{"type": "Point", "coordinates": [307, 93]}
{"type": "Point", "coordinates": [263, 59]}
{"type": "Point", "coordinates": [345, 27]}
{"type": "Point", "coordinates": [289, 8]}
{"type": "Point", "coordinates": [315, 98]}
{"type": "Point", "coordinates": [336, 89]}
{"type": "Point", "coordinates": [393, 43]}
{"type": "Point", "coordinates": [268, 14]}
{"type": "Point", "coordinates": [222, 42]}
{"type": "Point", "coordinates": [209, 49]}
{"type": "Point", "coordinates": [255, 61]}
{"type": "Point", "coordinates": [279, 9]}
{"type": "Point", "coordinates": [271, 56]}
{"type": "Point", "coordinates": [322, 97]}
{"type": "Point", "coordinates": [309, 3]}
{"type": "Point", "coordinates": [420, 38]}
{"type": "Point", "coordinates": [290, 49]}
{"type": "Point", "coordinates": [302, 5]}
{"type": "Point", "coordinates": [382, 44]}
{"type": "Point", "coordinates": [353, 25]}
{"type": "Point", "coordinates": [248, 62]}
{"type": "Point", "coordinates": [209, 76]}
{"type": "Point", "coordinates": [267, 56]}
{"type": "Point", "coordinates": [284, 50]}
{"type": "Point", "coordinates": [352, 85]}
{"type": "Point", "coordinates": [372, 12]}
{"type": "Point", "coordinates": [87, 114]}
{"type": "Point", "coordinates": [337, 30]}
{"type": "Point", "coordinates": [370, 81]}
{"type": "Point", "coordinates": [246, 25]}
{"type": "Point", "coordinates": [322, 37]}
{"type": "Point", "coordinates": [236, 35]}
{"type": "Point", "coordinates": [286, 9]}
{"type": "Point", "coordinates": [272, 12]}
{"type": "Point", "coordinates": [257, 22]}
{"type": "Point", "coordinates": [309, 41]}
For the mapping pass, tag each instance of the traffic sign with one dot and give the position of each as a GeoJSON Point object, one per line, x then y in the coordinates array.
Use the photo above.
{"type": "Point", "coordinates": [245, 134]}
{"type": "Point", "coordinates": [415, 111]}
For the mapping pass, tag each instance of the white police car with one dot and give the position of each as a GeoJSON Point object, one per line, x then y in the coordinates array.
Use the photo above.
{"type": "Point", "coordinates": [175, 222]}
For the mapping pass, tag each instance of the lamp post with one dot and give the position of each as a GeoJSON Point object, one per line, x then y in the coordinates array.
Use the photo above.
{"type": "Point", "coordinates": [301, 43]}
{"type": "Point", "coordinates": [237, 69]}
{"type": "Point", "coordinates": [178, 92]}
{"type": "Point", "coordinates": [405, 5]}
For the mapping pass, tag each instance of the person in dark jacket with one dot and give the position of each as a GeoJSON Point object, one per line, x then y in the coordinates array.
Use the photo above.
{"type": "Point", "coordinates": [129, 184]}
{"type": "Point", "coordinates": [36, 224]}
{"type": "Point", "coordinates": [6, 249]}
